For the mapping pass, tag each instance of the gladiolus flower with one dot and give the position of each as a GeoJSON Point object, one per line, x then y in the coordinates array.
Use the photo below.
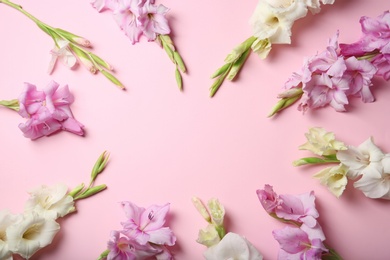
{"type": "Point", "coordinates": [362, 159]}
{"type": "Point", "coordinates": [50, 202]}
{"type": "Point", "coordinates": [48, 111]}
{"type": "Point", "coordinates": [30, 234]}
{"type": "Point", "coordinates": [63, 53]}
{"type": "Point", "coordinates": [321, 142]}
{"type": "Point", "coordinates": [147, 225]}
{"type": "Point", "coordinates": [335, 178]}
{"type": "Point", "coordinates": [233, 246]}
{"type": "Point", "coordinates": [295, 244]}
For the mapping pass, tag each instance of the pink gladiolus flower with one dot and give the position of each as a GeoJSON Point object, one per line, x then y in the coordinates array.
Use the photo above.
{"type": "Point", "coordinates": [382, 62]}
{"type": "Point", "coordinates": [358, 75]}
{"type": "Point", "coordinates": [48, 111]}
{"type": "Point", "coordinates": [268, 199]}
{"type": "Point", "coordinates": [376, 36]}
{"type": "Point", "coordinates": [153, 21]}
{"type": "Point", "coordinates": [126, 14]}
{"type": "Point", "coordinates": [147, 225]}
{"type": "Point", "coordinates": [137, 17]}
{"type": "Point", "coordinates": [295, 244]}
{"type": "Point", "coordinates": [300, 208]}
{"type": "Point", "coordinates": [123, 248]}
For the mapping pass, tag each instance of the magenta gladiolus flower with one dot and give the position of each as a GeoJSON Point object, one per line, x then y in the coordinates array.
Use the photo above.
{"type": "Point", "coordinates": [376, 36]}
{"type": "Point", "coordinates": [295, 244]}
{"type": "Point", "coordinates": [147, 225]}
{"type": "Point", "coordinates": [48, 111]}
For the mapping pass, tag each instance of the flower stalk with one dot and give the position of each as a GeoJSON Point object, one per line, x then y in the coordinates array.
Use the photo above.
{"type": "Point", "coordinates": [80, 192]}
{"type": "Point", "coordinates": [75, 44]}
{"type": "Point", "coordinates": [167, 44]}
{"type": "Point", "coordinates": [233, 64]}
{"type": "Point", "coordinates": [11, 104]}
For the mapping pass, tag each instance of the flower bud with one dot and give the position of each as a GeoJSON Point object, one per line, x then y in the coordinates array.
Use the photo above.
{"type": "Point", "coordinates": [201, 208]}
{"type": "Point", "coordinates": [217, 211]}
{"type": "Point", "coordinates": [99, 165]}
{"type": "Point", "coordinates": [261, 47]}
{"type": "Point", "coordinates": [82, 41]}
{"type": "Point", "coordinates": [293, 92]}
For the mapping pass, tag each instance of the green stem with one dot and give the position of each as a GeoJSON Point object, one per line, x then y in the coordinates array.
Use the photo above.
{"type": "Point", "coordinates": [20, 9]}
{"type": "Point", "coordinates": [11, 104]}
{"type": "Point", "coordinates": [314, 160]}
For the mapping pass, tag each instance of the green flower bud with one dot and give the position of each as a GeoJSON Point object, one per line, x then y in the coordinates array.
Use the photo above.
{"type": "Point", "coordinates": [217, 211]}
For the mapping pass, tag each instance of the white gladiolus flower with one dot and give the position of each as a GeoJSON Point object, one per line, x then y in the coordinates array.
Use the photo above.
{"type": "Point", "coordinates": [6, 220]}
{"type": "Point", "coordinates": [31, 233]}
{"type": "Point", "coordinates": [335, 178]}
{"type": "Point", "coordinates": [361, 160]}
{"type": "Point", "coordinates": [321, 142]}
{"type": "Point", "coordinates": [273, 19]}
{"type": "Point", "coordinates": [233, 246]}
{"type": "Point", "coordinates": [63, 53]}
{"type": "Point", "coordinates": [314, 5]}
{"type": "Point", "coordinates": [208, 236]}
{"type": "Point", "coordinates": [50, 202]}
{"type": "Point", "coordinates": [376, 184]}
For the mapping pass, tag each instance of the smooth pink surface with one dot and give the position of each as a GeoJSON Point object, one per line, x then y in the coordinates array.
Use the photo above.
{"type": "Point", "coordinates": [167, 145]}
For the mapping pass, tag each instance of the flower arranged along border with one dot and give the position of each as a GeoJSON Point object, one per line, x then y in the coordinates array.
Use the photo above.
{"type": "Point", "coordinates": [328, 78]}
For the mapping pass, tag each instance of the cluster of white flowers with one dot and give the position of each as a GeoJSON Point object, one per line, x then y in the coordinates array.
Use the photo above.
{"type": "Point", "coordinates": [35, 228]}
{"type": "Point", "coordinates": [366, 164]}
{"type": "Point", "coordinates": [272, 20]}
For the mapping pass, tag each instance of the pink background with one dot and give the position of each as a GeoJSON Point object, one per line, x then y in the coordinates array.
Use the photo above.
{"type": "Point", "coordinates": [167, 145]}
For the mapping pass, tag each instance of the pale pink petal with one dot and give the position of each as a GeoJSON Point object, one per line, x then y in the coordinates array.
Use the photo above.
{"type": "Point", "coordinates": [162, 236]}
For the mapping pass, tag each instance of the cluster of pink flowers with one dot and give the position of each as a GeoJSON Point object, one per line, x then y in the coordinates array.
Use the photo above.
{"type": "Point", "coordinates": [137, 17]}
{"type": "Point", "coordinates": [143, 236]}
{"type": "Point", "coordinates": [341, 71]}
{"type": "Point", "coordinates": [305, 239]}
{"type": "Point", "coordinates": [47, 111]}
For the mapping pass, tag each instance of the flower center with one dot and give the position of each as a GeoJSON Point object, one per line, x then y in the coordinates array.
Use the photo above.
{"type": "Point", "coordinates": [32, 232]}
{"type": "Point", "coordinates": [3, 236]}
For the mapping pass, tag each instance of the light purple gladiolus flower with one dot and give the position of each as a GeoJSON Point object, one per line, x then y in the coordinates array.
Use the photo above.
{"type": "Point", "coordinates": [268, 199]}
{"type": "Point", "coordinates": [147, 225]}
{"type": "Point", "coordinates": [153, 21]}
{"type": "Point", "coordinates": [124, 248]}
{"type": "Point", "coordinates": [137, 17]}
{"type": "Point", "coordinates": [300, 208]}
{"type": "Point", "coordinates": [48, 111]}
{"type": "Point", "coordinates": [295, 244]}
